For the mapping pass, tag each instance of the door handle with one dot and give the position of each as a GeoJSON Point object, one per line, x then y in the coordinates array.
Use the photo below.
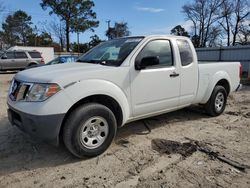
{"type": "Point", "coordinates": [174, 74]}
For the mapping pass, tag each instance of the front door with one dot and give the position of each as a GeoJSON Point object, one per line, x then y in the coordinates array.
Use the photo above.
{"type": "Point", "coordinates": [8, 60]}
{"type": "Point", "coordinates": [155, 88]}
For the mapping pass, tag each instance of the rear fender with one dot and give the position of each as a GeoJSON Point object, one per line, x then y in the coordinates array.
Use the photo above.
{"type": "Point", "coordinates": [220, 75]}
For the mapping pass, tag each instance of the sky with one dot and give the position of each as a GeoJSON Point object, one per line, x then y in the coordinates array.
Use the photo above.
{"type": "Point", "coordinates": [144, 17]}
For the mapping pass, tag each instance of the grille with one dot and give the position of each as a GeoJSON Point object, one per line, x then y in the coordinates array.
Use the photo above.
{"type": "Point", "coordinates": [18, 90]}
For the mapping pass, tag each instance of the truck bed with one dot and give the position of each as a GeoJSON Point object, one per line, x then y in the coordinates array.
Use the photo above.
{"type": "Point", "coordinates": [211, 70]}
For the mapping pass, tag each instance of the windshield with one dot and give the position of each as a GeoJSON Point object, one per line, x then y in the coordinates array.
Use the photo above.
{"type": "Point", "coordinates": [112, 52]}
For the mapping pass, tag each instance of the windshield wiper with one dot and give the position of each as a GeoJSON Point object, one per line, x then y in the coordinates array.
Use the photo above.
{"type": "Point", "coordinates": [100, 62]}
{"type": "Point", "coordinates": [87, 61]}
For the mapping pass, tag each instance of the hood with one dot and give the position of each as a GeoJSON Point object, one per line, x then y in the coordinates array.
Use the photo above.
{"type": "Point", "coordinates": [61, 73]}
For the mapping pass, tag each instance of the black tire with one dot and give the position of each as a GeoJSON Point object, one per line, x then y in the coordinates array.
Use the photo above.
{"type": "Point", "coordinates": [211, 106]}
{"type": "Point", "coordinates": [74, 125]}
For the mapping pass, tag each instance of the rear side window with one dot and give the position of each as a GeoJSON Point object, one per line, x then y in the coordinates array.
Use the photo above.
{"type": "Point", "coordinates": [20, 55]}
{"type": "Point", "coordinates": [35, 55]}
{"type": "Point", "coordinates": [160, 48]}
{"type": "Point", "coordinates": [185, 52]}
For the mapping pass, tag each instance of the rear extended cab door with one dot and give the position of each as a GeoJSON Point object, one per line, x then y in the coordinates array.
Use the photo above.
{"type": "Point", "coordinates": [156, 88]}
{"type": "Point", "coordinates": [189, 71]}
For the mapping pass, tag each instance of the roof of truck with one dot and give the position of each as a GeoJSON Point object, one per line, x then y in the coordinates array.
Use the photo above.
{"type": "Point", "coordinates": [156, 36]}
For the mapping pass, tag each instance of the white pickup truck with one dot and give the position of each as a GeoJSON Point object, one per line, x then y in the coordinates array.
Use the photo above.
{"type": "Point", "coordinates": [82, 104]}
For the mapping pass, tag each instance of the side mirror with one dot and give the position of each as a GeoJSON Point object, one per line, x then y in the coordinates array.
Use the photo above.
{"type": "Point", "coordinates": [146, 62]}
{"type": "Point", "coordinates": [4, 57]}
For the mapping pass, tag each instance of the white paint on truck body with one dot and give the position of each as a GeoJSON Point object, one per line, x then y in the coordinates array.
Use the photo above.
{"type": "Point", "coordinates": [140, 94]}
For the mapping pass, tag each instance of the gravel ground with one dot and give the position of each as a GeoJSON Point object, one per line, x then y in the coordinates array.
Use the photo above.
{"type": "Point", "coordinates": [131, 161]}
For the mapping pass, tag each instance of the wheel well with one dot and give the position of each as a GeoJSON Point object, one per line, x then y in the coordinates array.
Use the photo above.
{"type": "Point", "coordinates": [105, 100]}
{"type": "Point", "coordinates": [32, 63]}
{"type": "Point", "coordinates": [225, 84]}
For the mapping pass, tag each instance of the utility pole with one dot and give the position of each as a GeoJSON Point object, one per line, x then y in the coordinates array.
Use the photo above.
{"type": "Point", "coordinates": [108, 22]}
{"type": "Point", "coordinates": [78, 43]}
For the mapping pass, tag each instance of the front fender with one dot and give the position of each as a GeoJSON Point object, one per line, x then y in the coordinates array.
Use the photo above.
{"type": "Point", "coordinates": [86, 88]}
{"type": "Point", "coordinates": [214, 79]}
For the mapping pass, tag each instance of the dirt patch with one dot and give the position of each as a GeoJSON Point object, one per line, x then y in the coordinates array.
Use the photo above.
{"type": "Point", "coordinates": [173, 147]}
{"type": "Point", "coordinates": [131, 161]}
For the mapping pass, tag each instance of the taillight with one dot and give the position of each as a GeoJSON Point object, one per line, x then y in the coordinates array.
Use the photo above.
{"type": "Point", "coordinates": [240, 73]}
{"type": "Point", "coordinates": [42, 61]}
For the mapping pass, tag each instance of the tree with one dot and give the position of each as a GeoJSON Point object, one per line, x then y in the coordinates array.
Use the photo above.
{"type": "Point", "coordinates": [58, 30]}
{"type": "Point", "coordinates": [77, 15]}
{"type": "Point", "coordinates": [119, 30]}
{"type": "Point", "coordinates": [203, 14]}
{"type": "Point", "coordinates": [179, 31]}
{"type": "Point", "coordinates": [214, 37]}
{"type": "Point", "coordinates": [226, 14]}
{"type": "Point", "coordinates": [80, 48]}
{"type": "Point", "coordinates": [42, 39]}
{"type": "Point", "coordinates": [17, 28]}
{"type": "Point", "coordinates": [244, 34]}
{"type": "Point", "coordinates": [196, 41]}
{"type": "Point", "coordinates": [241, 11]}
{"type": "Point", "coordinates": [95, 40]}
{"type": "Point", "coordinates": [234, 13]}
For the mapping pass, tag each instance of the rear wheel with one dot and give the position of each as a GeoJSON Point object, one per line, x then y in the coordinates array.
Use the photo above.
{"type": "Point", "coordinates": [217, 102]}
{"type": "Point", "coordinates": [89, 130]}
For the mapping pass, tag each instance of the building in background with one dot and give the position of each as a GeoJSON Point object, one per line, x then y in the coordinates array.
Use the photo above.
{"type": "Point", "coordinates": [232, 53]}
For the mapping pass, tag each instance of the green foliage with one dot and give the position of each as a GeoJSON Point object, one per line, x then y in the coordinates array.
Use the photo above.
{"type": "Point", "coordinates": [119, 30]}
{"type": "Point", "coordinates": [83, 47]}
{"type": "Point", "coordinates": [196, 41]}
{"type": "Point", "coordinates": [17, 28]}
{"type": "Point", "coordinates": [44, 39]}
{"type": "Point", "coordinates": [77, 14]}
{"type": "Point", "coordinates": [95, 40]}
{"type": "Point", "coordinates": [179, 31]}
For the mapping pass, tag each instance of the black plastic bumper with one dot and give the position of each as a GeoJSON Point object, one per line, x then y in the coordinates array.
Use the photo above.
{"type": "Point", "coordinates": [46, 127]}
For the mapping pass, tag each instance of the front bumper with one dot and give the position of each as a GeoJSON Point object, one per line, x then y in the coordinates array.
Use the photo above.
{"type": "Point", "coordinates": [44, 127]}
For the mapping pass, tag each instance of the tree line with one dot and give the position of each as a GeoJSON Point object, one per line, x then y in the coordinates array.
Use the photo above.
{"type": "Point", "coordinates": [217, 22]}
{"type": "Point", "coordinates": [75, 16]}
{"type": "Point", "coordinates": [214, 23]}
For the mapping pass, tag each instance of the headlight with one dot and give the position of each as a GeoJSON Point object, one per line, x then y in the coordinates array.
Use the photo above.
{"type": "Point", "coordinates": [41, 92]}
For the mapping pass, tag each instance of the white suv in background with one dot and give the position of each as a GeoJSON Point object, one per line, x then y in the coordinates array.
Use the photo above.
{"type": "Point", "coordinates": [20, 59]}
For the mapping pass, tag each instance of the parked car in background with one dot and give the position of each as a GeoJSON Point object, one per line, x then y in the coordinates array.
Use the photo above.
{"type": "Point", "coordinates": [58, 60]}
{"type": "Point", "coordinates": [63, 59]}
{"type": "Point", "coordinates": [20, 59]}
{"type": "Point", "coordinates": [47, 52]}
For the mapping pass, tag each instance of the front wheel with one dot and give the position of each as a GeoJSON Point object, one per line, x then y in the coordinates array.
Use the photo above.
{"type": "Point", "coordinates": [89, 130]}
{"type": "Point", "coordinates": [217, 102]}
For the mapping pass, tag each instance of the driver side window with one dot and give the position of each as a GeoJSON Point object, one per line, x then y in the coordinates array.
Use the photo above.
{"type": "Point", "coordinates": [158, 48]}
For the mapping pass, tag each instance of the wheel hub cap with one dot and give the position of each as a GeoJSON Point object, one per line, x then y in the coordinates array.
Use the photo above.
{"type": "Point", "coordinates": [219, 101]}
{"type": "Point", "coordinates": [94, 132]}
